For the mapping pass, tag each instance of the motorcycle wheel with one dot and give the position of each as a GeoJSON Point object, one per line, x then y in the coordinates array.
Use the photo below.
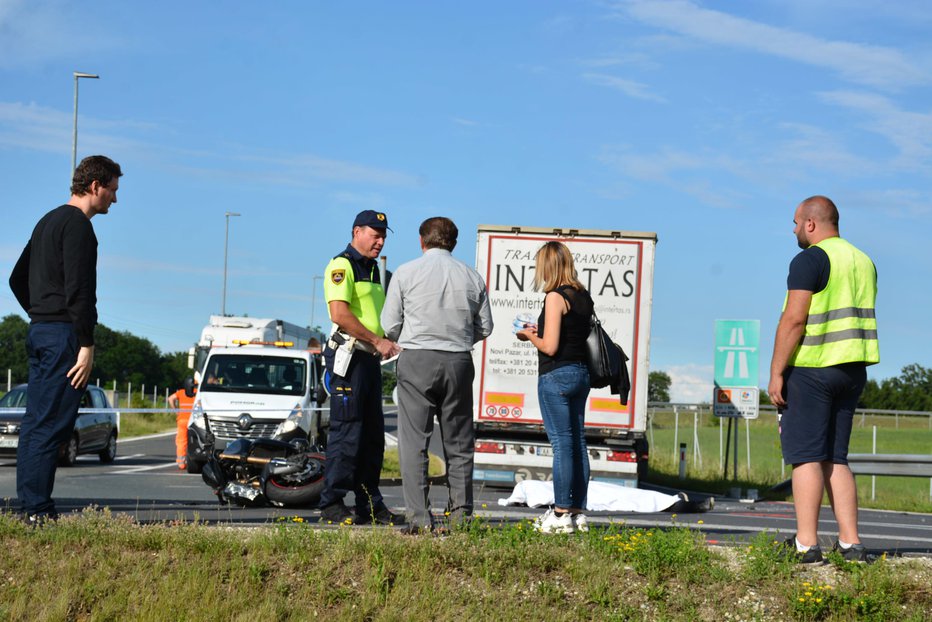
{"type": "Point", "coordinates": [299, 489]}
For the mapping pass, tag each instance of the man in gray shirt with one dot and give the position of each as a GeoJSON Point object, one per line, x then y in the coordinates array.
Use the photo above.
{"type": "Point", "coordinates": [436, 308]}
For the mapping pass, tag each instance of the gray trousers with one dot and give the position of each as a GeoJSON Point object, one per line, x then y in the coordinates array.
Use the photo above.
{"type": "Point", "coordinates": [431, 382]}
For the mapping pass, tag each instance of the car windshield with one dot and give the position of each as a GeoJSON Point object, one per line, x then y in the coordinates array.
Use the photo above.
{"type": "Point", "coordinates": [14, 399]}
{"type": "Point", "coordinates": [243, 373]}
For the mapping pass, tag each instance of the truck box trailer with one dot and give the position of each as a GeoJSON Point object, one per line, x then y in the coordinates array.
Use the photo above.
{"type": "Point", "coordinates": [617, 268]}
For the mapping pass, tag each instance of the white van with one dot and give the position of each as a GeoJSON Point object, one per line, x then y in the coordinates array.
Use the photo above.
{"type": "Point", "coordinates": [257, 391]}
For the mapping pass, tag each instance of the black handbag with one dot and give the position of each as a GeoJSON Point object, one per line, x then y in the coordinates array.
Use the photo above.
{"type": "Point", "coordinates": [607, 361]}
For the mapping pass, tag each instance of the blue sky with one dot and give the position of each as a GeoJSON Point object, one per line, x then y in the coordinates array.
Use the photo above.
{"type": "Point", "coordinates": [705, 122]}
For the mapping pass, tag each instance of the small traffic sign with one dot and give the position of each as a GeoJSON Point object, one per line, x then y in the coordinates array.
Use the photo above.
{"type": "Point", "coordinates": [737, 353]}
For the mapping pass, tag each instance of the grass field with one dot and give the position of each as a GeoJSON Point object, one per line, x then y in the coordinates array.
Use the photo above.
{"type": "Point", "coordinates": [895, 435]}
{"type": "Point", "coordinates": [101, 567]}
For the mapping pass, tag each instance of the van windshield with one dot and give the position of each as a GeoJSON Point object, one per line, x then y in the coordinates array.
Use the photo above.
{"type": "Point", "coordinates": [241, 373]}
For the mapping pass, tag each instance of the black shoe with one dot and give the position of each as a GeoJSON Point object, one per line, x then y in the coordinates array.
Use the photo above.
{"type": "Point", "coordinates": [854, 553]}
{"type": "Point", "coordinates": [37, 520]}
{"type": "Point", "coordinates": [383, 516]}
{"type": "Point", "coordinates": [812, 556]}
{"type": "Point", "coordinates": [336, 513]}
{"type": "Point", "coordinates": [417, 530]}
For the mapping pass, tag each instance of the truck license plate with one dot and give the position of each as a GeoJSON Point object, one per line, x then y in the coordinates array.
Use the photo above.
{"type": "Point", "coordinates": [9, 441]}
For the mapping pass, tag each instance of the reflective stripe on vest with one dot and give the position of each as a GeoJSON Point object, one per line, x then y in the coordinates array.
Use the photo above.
{"type": "Point", "coordinates": [841, 326]}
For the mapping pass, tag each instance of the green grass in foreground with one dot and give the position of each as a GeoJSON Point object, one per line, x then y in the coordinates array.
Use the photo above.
{"type": "Point", "coordinates": [101, 567]}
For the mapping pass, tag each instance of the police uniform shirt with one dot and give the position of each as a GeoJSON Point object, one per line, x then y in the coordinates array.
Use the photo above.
{"type": "Point", "coordinates": [354, 279]}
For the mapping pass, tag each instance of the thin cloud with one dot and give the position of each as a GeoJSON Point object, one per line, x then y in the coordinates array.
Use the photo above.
{"type": "Point", "coordinates": [40, 128]}
{"type": "Point", "coordinates": [807, 148]}
{"type": "Point", "coordinates": [465, 122]}
{"type": "Point", "coordinates": [135, 265]}
{"type": "Point", "coordinates": [33, 32]}
{"type": "Point", "coordinates": [859, 63]}
{"type": "Point", "coordinates": [910, 132]}
{"type": "Point", "coordinates": [686, 172]}
{"type": "Point", "coordinates": [630, 88]}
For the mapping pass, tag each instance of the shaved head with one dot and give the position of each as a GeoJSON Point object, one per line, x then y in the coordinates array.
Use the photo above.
{"type": "Point", "coordinates": [816, 218]}
{"type": "Point", "coordinates": [820, 209]}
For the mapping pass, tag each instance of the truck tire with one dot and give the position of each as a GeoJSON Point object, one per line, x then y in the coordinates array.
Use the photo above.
{"type": "Point", "coordinates": [301, 489]}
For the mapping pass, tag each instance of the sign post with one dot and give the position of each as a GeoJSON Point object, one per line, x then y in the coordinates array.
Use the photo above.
{"type": "Point", "coordinates": [737, 357]}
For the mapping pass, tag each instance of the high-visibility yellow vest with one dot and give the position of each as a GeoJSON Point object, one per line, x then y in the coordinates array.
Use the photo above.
{"type": "Point", "coordinates": [348, 280]}
{"type": "Point", "coordinates": [842, 326]}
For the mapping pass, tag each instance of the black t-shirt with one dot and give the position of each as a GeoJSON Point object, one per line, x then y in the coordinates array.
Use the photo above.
{"type": "Point", "coordinates": [574, 329]}
{"type": "Point", "coordinates": [809, 270]}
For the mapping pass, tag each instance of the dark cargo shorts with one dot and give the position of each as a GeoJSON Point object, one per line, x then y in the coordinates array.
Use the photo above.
{"type": "Point", "coordinates": [820, 403]}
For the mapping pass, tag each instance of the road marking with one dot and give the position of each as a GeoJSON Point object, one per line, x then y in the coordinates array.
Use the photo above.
{"type": "Point", "coordinates": [144, 438]}
{"type": "Point", "coordinates": [143, 469]}
{"type": "Point", "coordinates": [130, 457]}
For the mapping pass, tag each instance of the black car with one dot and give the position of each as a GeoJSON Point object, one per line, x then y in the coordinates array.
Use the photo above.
{"type": "Point", "coordinates": [95, 431]}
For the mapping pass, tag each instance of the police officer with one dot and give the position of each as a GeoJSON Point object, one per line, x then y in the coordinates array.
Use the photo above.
{"type": "Point", "coordinates": [356, 442]}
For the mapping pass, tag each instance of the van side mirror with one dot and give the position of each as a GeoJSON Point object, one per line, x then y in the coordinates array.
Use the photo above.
{"type": "Point", "coordinates": [189, 386]}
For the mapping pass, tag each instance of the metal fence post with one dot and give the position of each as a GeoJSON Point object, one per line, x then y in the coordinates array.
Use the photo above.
{"type": "Point", "coordinates": [721, 446]}
{"type": "Point", "coordinates": [650, 425]}
{"type": "Point", "coordinates": [676, 430]}
{"type": "Point", "coordinates": [682, 460]}
{"type": "Point", "coordinates": [874, 477]}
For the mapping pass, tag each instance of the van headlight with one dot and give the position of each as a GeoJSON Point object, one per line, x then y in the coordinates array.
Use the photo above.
{"type": "Point", "coordinates": [292, 422]}
{"type": "Point", "coordinates": [197, 417]}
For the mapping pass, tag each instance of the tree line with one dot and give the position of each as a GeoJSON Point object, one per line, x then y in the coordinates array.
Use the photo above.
{"type": "Point", "coordinates": [124, 357]}
{"type": "Point", "coordinates": [118, 355]}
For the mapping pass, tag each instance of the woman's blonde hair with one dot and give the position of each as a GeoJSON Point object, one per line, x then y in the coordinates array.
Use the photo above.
{"type": "Point", "coordinates": [554, 267]}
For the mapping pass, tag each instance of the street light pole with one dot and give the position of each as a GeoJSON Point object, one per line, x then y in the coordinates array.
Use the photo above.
{"type": "Point", "coordinates": [226, 241]}
{"type": "Point", "coordinates": [74, 138]}
{"type": "Point", "coordinates": [314, 298]}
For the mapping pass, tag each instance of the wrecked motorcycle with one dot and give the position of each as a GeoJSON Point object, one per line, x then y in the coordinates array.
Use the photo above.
{"type": "Point", "coordinates": [266, 471]}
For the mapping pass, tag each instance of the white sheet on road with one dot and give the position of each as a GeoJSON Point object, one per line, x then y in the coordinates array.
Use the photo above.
{"type": "Point", "coordinates": [601, 497]}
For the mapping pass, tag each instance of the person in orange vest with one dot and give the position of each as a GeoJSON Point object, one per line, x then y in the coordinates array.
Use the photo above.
{"type": "Point", "coordinates": [184, 404]}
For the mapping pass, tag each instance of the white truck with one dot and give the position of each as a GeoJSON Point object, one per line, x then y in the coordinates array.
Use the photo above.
{"type": "Point", "coordinates": [617, 268]}
{"type": "Point", "coordinates": [259, 378]}
{"type": "Point", "coordinates": [224, 331]}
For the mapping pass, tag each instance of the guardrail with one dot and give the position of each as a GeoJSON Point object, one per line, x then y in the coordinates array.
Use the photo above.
{"type": "Point", "coordinates": [908, 465]}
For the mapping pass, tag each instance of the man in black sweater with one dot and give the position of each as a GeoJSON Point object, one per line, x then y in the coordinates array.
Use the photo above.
{"type": "Point", "coordinates": [55, 281]}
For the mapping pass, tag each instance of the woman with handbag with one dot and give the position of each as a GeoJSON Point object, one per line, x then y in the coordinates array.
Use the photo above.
{"type": "Point", "coordinates": [563, 382]}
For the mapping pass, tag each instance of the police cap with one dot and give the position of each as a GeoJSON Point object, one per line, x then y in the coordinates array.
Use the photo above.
{"type": "Point", "coordinates": [371, 218]}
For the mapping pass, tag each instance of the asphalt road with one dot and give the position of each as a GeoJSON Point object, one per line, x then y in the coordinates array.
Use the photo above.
{"type": "Point", "coordinates": [144, 483]}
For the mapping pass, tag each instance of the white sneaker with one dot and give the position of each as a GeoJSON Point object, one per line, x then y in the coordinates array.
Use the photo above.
{"type": "Point", "coordinates": [581, 523]}
{"type": "Point", "coordinates": [551, 522]}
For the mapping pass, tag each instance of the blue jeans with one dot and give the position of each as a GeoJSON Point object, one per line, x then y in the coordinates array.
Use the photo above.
{"type": "Point", "coordinates": [562, 396]}
{"type": "Point", "coordinates": [51, 409]}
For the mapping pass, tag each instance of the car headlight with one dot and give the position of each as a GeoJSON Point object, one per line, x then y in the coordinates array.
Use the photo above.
{"type": "Point", "coordinates": [292, 422]}
{"type": "Point", "coordinates": [197, 419]}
